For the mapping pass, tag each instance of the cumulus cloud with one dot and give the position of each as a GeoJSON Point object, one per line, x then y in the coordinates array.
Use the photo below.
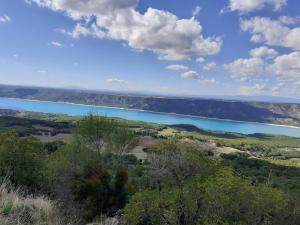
{"type": "Point", "coordinates": [252, 90]}
{"type": "Point", "coordinates": [155, 30]}
{"type": "Point", "coordinates": [177, 67]}
{"type": "Point", "coordinates": [246, 6]}
{"type": "Point", "coordinates": [263, 52]}
{"type": "Point", "coordinates": [287, 65]}
{"type": "Point", "coordinates": [190, 75]}
{"type": "Point", "coordinates": [210, 65]}
{"type": "Point", "coordinates": [81, 30]}
{"type": "Point", "coordinates": [244, 68]}
{"type": "Point", "coordinates": [86, 8]}
{"type": "Point", "coordinates": [5, 19]}
{"type": "Point", "coordinates": [284, 70]}
{"type": "Point", "coordinates": [56, 44]}
{"type": "Point", "coordinates": [272, 32]}
{"type": "Point", "coordinates": [288, 20]}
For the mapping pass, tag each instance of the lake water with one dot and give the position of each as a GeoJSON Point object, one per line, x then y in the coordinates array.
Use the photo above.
{"type": "Point", "coordinates": [161, 118]}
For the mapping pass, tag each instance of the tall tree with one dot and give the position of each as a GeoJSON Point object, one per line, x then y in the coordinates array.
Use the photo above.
{"type": "Point", "coordinates": [95, 131]}
{"type": "Point", "coordinates": [122, 141]}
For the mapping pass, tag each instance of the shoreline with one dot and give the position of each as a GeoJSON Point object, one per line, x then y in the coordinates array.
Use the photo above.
{"type": "Point", "coordinates": [154, 112]}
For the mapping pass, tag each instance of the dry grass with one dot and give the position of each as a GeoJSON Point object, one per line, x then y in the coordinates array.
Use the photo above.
{"type": "Point", "coordinates": [18, 210]}
{"type": "Point", "coordinates": [106, 221]}
{"type": "Point", "coordinates": [227, 150]}
{"type": "Point", "coordinates": [291, 162]}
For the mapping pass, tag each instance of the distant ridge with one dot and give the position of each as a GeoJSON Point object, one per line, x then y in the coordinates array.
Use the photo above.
{"type": "Point", "coordinates": [254, 98]}
{"type": "Point", "coordinates": [277, 111]}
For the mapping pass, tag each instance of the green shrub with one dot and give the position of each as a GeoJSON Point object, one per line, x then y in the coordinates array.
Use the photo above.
{"type": "Point", "coordinates": [22, 159]}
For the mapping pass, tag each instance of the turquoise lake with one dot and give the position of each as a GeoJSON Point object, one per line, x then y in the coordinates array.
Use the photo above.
{"type": "Point", "coordinates": [161, 118]}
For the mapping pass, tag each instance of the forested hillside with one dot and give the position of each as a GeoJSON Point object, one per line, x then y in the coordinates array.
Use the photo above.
{"type": "Point", "coordinates": [278, 113]}
{"type": "Point", "coordinates": [99, 176]}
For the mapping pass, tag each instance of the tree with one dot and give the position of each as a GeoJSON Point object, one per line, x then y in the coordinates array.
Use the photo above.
{"type": "Point", "coordinates": [122, 141]}
{"type": "Point", "coordinates": [220, 199]}
{"type": "Point", "coordinates": [198, 190]}
{"type": "Point", "coordinates": [95, 131]}
{"type": "Point", "coordinates": [122, 189]}
{"type": "Point", "coordinates": [98, 193]}
{"type": "Point", "coordinates": [171, 159]}
{"type": "Point", "coordinates": [92, 188]}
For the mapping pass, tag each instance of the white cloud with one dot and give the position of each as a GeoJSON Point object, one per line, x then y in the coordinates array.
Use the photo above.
{"type": "Point", "coordinates": [5, 19]}
{"type": "Point", "coordinates": [116, 81]}
{"type": "Point", "coordinates": [200, 60]}
{"type": "Point", "coordinates": [272, 32]}
{"type": "Point", "coordinates": [287, 20]}
{"type": "Point", "coordinates": [177, 67]}
{"type": "Point", "coordinates": [80, 30]}
{"type": "Point", "coordinates": [196, 11]}
{"type": "Point", "coordinates": [82, 8]}
{"type": "Point", "coordinates": [244, 68]}
{"type": "Point", "coordinates": [209, 66]}
{"type": "Point", "coordinates": [284, 70]}
{"type": "Point", "coordinates": [190, 74]}
{"type": "Point", "coordinates": [207, 81]}
{"type": "Point", "coordinates": [158, 31]}
{"type": "Point", "coordinates": [287, 65]}
{"type": "Point", "coordinates": [246, 6]}
{"type": "Point", "coordinates": [252, 90]}
{"type": "Point", "coordinates": [56, 44]}
{"type": "Point", "coordinates": [263, 52]}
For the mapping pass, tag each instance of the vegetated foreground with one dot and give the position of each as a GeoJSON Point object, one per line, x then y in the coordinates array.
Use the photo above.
{"type": "Point", "coordinates": [57, 170]}
{"type": "Point", "coordinates": [277, 113]}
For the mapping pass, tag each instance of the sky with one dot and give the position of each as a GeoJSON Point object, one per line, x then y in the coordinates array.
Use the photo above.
{"type": "Point", "coordinates": [179, 47]}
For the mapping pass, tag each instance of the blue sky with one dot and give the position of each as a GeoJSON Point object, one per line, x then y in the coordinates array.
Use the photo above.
{"type": "Point", "coordinates": [192, 47]}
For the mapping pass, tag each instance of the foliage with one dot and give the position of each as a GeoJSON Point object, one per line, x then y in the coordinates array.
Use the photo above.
{"type": "Point", "coordinates": [122, 141]}
{"type": "Point", "coordinates": [98, 193]}
{"type": "Point", "coordinates": [282, 177]}
{"type": "Point", "coordinates": [220, 199]}
{"type": "Point", "coordinates": [95, 131]}
{"type": "Point", "coordinates": [94, 176]}
{"type": "Point", "coordinates": [92, 187]}
{"type": "Point", "coordinates": [22, 159]}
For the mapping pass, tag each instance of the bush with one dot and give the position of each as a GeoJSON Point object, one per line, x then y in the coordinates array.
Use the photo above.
{"type": "Point", "coordinates": [194, 189]}
{"type": "Point", "coordinates": [98, 193]}
{"type": "Point", "coordinates": [220, 199]}
{"type": "Point", "coordinates": [22, 159]}
{"type": "Point", "coordinates": [92, 187]}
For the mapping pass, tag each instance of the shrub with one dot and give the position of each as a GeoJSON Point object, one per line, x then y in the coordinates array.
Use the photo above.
{"type": "Point", "coordinates": [22, 159]}
{"type": "Point", "coordinates": [91, 187]}
{"type": "Point", "coordinates": [220, 199]}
